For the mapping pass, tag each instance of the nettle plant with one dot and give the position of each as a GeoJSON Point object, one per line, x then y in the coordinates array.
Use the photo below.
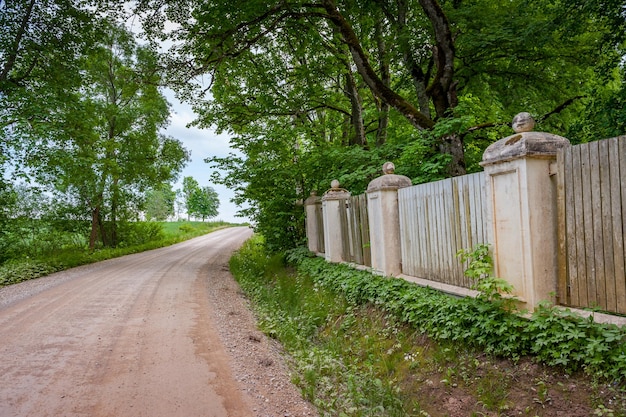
{"type": "Point", "coordinates": [480, 271]}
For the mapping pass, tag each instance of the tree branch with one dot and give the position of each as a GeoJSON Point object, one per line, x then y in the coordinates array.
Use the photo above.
{"type": "Point", "coordinates": [376, 85]}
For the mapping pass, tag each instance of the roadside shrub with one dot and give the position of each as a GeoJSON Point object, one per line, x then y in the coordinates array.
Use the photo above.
{"type": "Point", "coordinates": [13, 272]}
{"type": "Point", "coordinates": [553, 336]}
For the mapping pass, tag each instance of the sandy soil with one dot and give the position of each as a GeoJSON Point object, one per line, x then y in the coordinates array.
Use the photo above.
{"type": "Point", "coordinates": [161, 333]}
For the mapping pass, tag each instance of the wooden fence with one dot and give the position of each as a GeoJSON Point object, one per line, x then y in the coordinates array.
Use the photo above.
{"type": "Point", "coordinates": [436, 221]}
{"type": "Point", "coordinates": [591, 185]}
{"type": "Point", "coordinates": [320, 227]}
{"type": "Point", "coordinates": [355, 230]}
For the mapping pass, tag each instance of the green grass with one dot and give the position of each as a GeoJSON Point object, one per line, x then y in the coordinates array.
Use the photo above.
{"type": "Point", "coordinates": [363, 345]}
{"type": "Point", "coordinates": [40, 264]}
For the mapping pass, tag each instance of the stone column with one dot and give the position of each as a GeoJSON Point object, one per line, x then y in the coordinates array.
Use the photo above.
{"type": "Point", "coordinates": [333, 237]}
{"type": "Point", "coordinates": [521, 195]}
{"type": "Point", "coordinates": [312, 226]}
{"type": "Point", "coordinates": [384, 221]}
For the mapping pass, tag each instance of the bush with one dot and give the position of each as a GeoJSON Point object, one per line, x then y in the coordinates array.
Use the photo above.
{"type": "Point", "coordinates": [553, 336]}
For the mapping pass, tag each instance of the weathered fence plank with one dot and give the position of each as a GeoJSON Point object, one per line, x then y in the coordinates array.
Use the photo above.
{"type": "Point", "coordinates": [562, 284]}
{"type": "Point", "coordinates": [436, 221]}
{"type": "Point", "coordinates": [592, 224]}
{"type": "Point", "coordinates": [618, 214]}
{"type": "Point", "coordinates": [320, 227]}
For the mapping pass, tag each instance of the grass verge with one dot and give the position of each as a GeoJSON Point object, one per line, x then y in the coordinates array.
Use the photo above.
{"type": "Point", "coordinates": [18, 270]}
{"type": "Point", "coordinates": [362, 345]}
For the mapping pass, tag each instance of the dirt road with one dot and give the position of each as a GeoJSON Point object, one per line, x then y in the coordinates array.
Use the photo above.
{"type": "Point", "coordinates": [161, 333]}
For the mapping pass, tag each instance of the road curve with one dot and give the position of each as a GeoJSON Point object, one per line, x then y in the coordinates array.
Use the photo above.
{"type": "Point", "coordinates": [130, 336]}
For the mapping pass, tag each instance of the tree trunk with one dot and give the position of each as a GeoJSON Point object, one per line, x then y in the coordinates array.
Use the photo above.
{"type": "Point", "coordinates": [385, 75]}
{"type": "Point", "coordinates": [357, 112]}
{"type": "Point", "coordinates": [453, 145]}
{"type": "Point", "coordinates": [93, 236]}
{"type": "Point", "coordinates": [373, 81]}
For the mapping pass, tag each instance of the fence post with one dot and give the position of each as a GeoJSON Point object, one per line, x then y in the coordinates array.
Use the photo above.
{"type": "Point", "coordinates": [332, 210]}
{"type": "Point", "coordinates": [384, 221]}
{"type": "Point", "coordinates": [522, 200]}
{"type": "Point", "coordinates": [312, 226]}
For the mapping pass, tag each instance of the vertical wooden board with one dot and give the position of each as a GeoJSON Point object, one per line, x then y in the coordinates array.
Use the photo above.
{"type": "Point", "coordinates": [581, 278]}
{"type": "Point", "coordinates": [475, 215]}
{"type": "Point", "coordinates": [598, 240]}
{"type": "Point", "coordinates": [452, 224]}
{"type": "Point", "coordinates": [479, 217]}
{"type": "Point", "coordinates": [405, 241]}
{"type": "Point", "coordinates": [617, 176]}
{"type": "Point", "coordinates": [350, 228]}
{"type": "Point", "coordinates": [485, 209]}
{"type": "Point", "coordinates": [420, 229]}
{"type": "Point", "coordinates": [412, 220]}
{"type": "Point", "coordinates": [355, 223]}
{"type": "Point", "coordinates": [446, 242]}
{"type": "Point", "coordinates": [607, 226]}
{"type": "Point", "coordinates": [408, 244]}
{"type": "Point", "coordinates": [409, 265]}
{"type": "Point", "coordinates": [444, 223]}
{"type": "Point", "coordinates": [345, 232]}
{"type": "Point", "coordinates": [457, 213]}
{"type": "Point", "coordinates": [367, 248]}
{"type": "Point", "coordinates": [429, 230]}
{"type": "Point", "coordinates": [320, 231]}
{"type": "Point", "coordinates": [436, 237]}
{"type": "Point", "coordinates": [362, 226]}
{"type": "Point", "coordinates": [463, 213]}
{"type": "Point", "coordinates": [474, 218]}
{"type": "Point", "coordinates": [561, 228]}
{"type": "Point", "coordinates": [621, 145]}
{"type": "Point", "coordinates": [571, 232]}
{"type": "Point", "coordinates": [417, 240]}
{"type": "Point", "coordinates": [592, 300]}
{"type": "Point", "coordinates": [464, 222]}
{"type": "Point", "coordinates": [438, 228]}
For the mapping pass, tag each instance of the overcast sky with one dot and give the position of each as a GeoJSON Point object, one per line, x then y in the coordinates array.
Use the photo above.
{"type": "Point", "coordinates": [202, 143]}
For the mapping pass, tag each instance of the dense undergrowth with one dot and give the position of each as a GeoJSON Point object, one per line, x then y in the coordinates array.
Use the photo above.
{"type": "Point", "coordinates": [37, 255]}
{"type": "Point", "coordinates": [364, 345]}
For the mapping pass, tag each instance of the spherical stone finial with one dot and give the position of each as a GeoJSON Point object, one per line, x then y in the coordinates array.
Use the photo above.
{"type": "Point", "coordinates": [523, 122]}
{"type": "Point", "coordinates": [334, 184]}
{"type": "Point", "coordinates": [389, 168]}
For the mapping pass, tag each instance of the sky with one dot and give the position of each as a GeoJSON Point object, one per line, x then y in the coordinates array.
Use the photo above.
{"type": "Point", "coordinates": [202, 143]}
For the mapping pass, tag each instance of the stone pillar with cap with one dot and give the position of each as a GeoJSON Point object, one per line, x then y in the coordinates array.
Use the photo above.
{"type": "Point", "coordinates": [384, 221]}
{"type": "Point", "coordinates": [313, 228]}
{"type": "Point", "coordinates": [333, 236]}
{"type": "Point", "coordinates": [521, 195]}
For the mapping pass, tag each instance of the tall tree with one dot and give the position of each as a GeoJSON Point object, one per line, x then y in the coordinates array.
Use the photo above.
{"type": "Point", "coordinates": [204, 203]}
{"type": "Point", "coordinates": [295, 79]}
{"type": "Point", "coordinates": [160, 202]}
{"type": "Point", "coordinates": [200, 202]}
{"type": "Point", "coordinates": [103, 143]}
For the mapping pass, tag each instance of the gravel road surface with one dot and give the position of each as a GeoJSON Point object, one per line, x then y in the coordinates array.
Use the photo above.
{"type": "Point", "coordinates": [161, 333]}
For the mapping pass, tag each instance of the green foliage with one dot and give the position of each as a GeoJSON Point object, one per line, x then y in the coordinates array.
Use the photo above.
{"type": "Point", "coordinates": [160, 203]}
{"type": "Point", "coordinates": [40, 253]}
{"type": "Point", "coordinates": [479, 270]}
{"type": "Point", "coordinates": [295, 310]}
{"type": "Point", "coordinates": [101, 144]}
{"type": "Point", "coordinates": [200, 202]}
{"type": "Point", "coordinates": [554, 336]}
{"type": "Point", "coordinates": [18, 271]}
{"type": "Point", "coordinates": [287, 90]}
